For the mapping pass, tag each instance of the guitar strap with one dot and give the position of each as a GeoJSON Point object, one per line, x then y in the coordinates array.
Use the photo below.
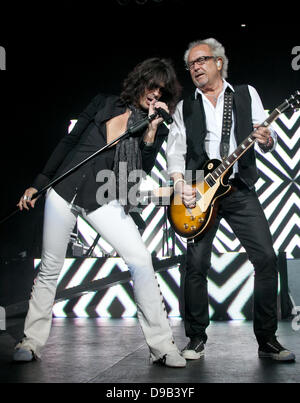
{"type": "Point", "coordinates": [227, 123]}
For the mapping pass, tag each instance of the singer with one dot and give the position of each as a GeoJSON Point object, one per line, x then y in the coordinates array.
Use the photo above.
{"type": "Point", "coordinates": [152, 84]}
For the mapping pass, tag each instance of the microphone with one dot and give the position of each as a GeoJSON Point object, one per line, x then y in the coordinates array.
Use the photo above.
{"type": "Point", "coordinates": [165, 115]}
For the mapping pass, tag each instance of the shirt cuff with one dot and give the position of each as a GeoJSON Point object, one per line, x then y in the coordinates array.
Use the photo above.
{"type": "Point", "coordinates": [176, 168]}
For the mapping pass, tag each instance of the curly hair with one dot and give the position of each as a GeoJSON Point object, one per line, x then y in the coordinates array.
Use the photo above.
{"type": "Point", "coordinates": [149, 74]}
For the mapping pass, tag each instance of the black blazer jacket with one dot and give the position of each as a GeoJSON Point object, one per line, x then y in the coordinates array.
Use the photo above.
{"type": "Point", "coordinates": [87, 136]}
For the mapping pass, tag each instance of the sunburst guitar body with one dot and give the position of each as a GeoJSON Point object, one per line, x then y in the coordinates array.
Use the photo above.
{"type": "Point", "coordinates": [191, 222]}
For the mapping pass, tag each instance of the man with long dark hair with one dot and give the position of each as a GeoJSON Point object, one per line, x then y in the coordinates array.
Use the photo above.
{"type": "Point", "coordinates": [152, 84]}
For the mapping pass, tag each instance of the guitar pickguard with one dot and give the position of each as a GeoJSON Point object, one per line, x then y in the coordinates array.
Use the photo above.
{"type": "Point", "coordinates": [207, 194]}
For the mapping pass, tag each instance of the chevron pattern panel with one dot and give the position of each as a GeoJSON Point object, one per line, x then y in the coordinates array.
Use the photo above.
{"type": "Point", "coordinates": [279, 191]}
{"type": "Point", "coordinates": [230, 287]}
{"type": "Point", "coordinates": [231, 277]}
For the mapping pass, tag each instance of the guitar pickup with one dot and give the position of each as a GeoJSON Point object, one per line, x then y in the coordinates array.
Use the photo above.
{"type": "Point", "coordinates": [210, 181]}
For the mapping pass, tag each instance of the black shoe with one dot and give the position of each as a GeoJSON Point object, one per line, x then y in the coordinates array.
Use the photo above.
{"type": "Point", "coordinates": [194, 350]}
{"type": "Point", "coordinates": [273, 349]}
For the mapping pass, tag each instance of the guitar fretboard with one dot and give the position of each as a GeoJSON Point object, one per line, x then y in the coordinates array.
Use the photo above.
{"type": "Point", "coordinates": [232, 158]}
{"type": "Point", "coordinates": [243, 147]}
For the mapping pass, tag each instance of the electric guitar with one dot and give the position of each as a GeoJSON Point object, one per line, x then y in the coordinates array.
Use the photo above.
{"type": "Point", "coordinates": [191, 222]}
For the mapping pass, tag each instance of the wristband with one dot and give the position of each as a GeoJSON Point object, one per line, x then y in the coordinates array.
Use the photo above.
{"type": "Point", "coordinates": [269, 142]}
{"type": "Point", "coordinates": [268, 145]}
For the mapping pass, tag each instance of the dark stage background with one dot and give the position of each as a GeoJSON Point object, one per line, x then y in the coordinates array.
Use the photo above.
{"type": "Point", "coordinates": [60, 55]}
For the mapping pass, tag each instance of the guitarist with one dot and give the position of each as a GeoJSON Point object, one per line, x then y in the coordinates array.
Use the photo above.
{"type": "Point", "coordinates": [196, 136]}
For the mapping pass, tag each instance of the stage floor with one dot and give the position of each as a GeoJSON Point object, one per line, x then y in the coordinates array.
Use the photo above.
{"type": "Point", "coordinates": [112, 351]}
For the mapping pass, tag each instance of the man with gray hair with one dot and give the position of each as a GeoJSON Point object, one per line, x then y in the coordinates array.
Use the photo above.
{"type": "Point", "coordinates": [208, 125]}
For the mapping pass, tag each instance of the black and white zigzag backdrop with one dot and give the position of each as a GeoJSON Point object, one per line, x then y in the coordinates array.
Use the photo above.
{"type": "Point", "coordinates": [231, 278]}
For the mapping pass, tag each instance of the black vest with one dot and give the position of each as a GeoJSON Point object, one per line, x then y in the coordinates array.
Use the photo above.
{"type": "Point", "coordinates": [195, 123]}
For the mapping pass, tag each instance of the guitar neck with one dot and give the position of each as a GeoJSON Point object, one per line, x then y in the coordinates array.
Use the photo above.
{"type": "Point", "coordinates": [228, 162]}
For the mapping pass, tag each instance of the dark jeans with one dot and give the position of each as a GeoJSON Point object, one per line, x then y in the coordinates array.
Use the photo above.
{"type": "Point", "coordinates": [243, 212]}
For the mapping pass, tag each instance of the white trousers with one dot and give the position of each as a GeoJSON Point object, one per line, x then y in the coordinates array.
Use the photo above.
{"type": "Point", "coordinates": [120, 231]}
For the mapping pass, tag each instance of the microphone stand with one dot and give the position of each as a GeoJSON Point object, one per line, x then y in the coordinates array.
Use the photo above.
{"type": "Point", "coordinates": [143, 123]}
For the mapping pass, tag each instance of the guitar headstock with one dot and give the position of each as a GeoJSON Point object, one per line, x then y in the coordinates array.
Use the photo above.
{"type": "Point", "coordinates": [292, 103]}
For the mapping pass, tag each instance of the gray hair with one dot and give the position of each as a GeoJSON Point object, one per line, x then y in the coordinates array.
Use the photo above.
{"type": "Point", "coordinates": [217, 50]}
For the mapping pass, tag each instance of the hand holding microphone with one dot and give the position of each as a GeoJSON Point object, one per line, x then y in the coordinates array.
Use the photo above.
{"type": "Point", "coordinates": [162, 110]}
{"type": "Point", "coordinates": [164, 114]}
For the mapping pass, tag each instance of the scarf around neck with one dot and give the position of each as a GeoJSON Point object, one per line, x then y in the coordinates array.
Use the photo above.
{"type": "Point", "coordinates": [128, 155]}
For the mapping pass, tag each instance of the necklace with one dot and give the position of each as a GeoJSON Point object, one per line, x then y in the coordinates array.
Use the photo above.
{"type": "Point", "coordinates": [213, 96]}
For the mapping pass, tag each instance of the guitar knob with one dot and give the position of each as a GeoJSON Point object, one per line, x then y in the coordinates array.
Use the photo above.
{"type": "Point", "coordinates": [201, 219]}
{"type": "Point", "coordinates": [192, 218]}
{"type": "Point", "coordinates": [193, 227]}
{"type": "Point", "coordinates": [186, 226]}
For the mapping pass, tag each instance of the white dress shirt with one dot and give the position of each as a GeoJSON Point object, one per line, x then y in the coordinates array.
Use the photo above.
{"type": "Point", "coordinates": [176, 145]}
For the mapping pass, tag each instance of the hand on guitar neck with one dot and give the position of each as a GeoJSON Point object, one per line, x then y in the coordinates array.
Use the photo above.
{"type": "Point", "coordinates": [263, 136]}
